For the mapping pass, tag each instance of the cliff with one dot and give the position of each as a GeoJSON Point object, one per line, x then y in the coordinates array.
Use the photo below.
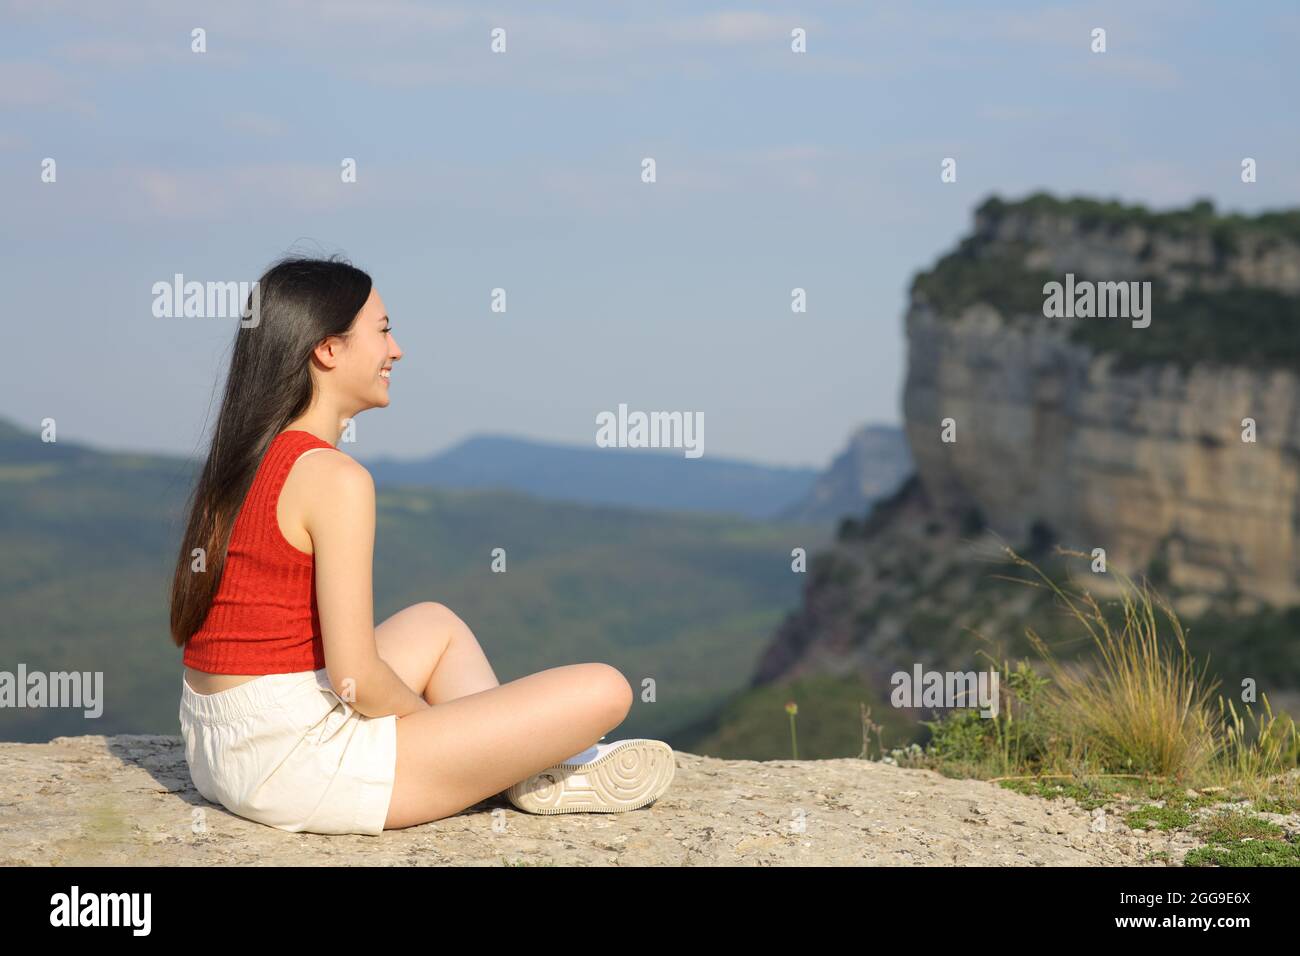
{"type": "Point", "coordinates": [871, 466]}
{"type": "Point", "coordinates": [129, 800]}
{"type": "Point", "coordinates": [1082, 433]}
{"type": "Point", "coordinates": [1110, 435]}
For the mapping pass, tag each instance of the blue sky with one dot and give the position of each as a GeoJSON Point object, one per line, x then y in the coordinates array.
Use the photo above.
{"type": "Point", "coordinates": [521, 170]}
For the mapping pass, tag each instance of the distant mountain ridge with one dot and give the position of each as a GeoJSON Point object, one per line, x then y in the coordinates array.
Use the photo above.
{"type": "Point", "coordinates": [634, 478]}
{"type": "Point", "coordinates": [872, 465]}
{"type": "Point", "coordinates": [89, 539]}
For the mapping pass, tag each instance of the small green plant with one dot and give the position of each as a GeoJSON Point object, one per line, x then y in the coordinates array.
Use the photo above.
{"type": "Point", "coordinates": [792, 709]}
{"type": "Point", "coordinates": [1246, 853]}
{"type": "Point", "coordinates": [1227, 825]}
{"type": "Point", "coordinates": [910, 756]}
{"type": "Point", "coordinates": [869, 727]}
{"type": "Point", "coordinates": [1267, 752]}
{"type": "Point", "coordinates": [1236, 838]}
{"type": "Point", "coordinates": [1158, 818]}
{"type": "Point", "coordinates": [1280, 804]}
{"type": "Point", "coordinates": [1142, 708]}
{"type": "Point", "coordinates": [1019, 735]}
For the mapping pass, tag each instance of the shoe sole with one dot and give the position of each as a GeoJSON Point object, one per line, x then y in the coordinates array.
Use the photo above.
{"type": "Point", "coordinates": [632, 774]}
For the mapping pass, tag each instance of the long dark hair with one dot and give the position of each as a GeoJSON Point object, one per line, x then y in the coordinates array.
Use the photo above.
{"type": "Point", "coordinates": [302, 302]}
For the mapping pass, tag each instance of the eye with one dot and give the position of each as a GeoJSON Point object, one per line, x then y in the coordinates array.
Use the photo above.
{"type": "Point", "coordinates": [388, 329]}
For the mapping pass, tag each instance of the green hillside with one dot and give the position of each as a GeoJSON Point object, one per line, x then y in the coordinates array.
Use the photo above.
{"type": "Point", "coordinates": [87, 542]}
{"type": "Point", "coordinates": [754, 725]}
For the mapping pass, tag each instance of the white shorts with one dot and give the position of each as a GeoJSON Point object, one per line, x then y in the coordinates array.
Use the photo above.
{"type": "Point", "coordinates": [287, 751]}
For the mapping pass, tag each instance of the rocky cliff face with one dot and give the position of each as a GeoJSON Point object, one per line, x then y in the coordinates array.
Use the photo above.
{"type": "Point", "coordinates": [1188, 249]}
{"type": "Point", "coordinates": [1083, 434]}
{"type": "Point", "coordinates": [1143, 459]}
{"type": "Point", "coordinates": [872, 466]}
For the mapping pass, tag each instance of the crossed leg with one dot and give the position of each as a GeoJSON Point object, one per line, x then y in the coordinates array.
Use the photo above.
{"type": "Point", "coordinates": [480, 737]}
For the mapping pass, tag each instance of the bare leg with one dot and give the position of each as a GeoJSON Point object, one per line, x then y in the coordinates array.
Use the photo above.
{"type": "Point", "coordinates": [434, 652]}
{"type": "Point", "coordinates": [468, 749]}
{"type": "Point", "coordinates": [482, 737]}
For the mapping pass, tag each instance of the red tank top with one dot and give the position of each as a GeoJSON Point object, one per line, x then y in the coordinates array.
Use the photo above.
{"type": "Point", "coordinates": [263, 619]}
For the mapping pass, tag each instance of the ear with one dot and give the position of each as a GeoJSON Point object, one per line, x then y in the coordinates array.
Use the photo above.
{"type": "Point", "coordinates": [327, 352]}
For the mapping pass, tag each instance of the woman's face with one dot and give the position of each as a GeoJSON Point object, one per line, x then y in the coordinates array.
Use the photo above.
{"type": "Point", "coordinates": [371, 352]}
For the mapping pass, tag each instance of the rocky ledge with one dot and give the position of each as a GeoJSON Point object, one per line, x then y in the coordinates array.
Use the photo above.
{"type": "Point", "coordinates": [128, 800]}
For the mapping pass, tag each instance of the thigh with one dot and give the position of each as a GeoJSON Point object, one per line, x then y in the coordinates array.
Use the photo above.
{"type": "Point", "coordinates": [462, 751]}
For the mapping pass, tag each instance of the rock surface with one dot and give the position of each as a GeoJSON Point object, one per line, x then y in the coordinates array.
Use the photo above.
{"type": "Point", "coordinates": [871, 466]}
{"type": "Point", "coordinates": [1146, 463]}
{"type": "Point", "coordinates": [128, 800]}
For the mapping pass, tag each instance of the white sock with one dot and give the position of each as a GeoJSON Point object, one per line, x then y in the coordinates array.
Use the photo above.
{"type": "Point", "coordinates": [589, 754]}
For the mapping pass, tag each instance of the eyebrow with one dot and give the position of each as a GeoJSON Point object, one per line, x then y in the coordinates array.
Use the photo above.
{"type": "Point", "coordinates": [384, 319]}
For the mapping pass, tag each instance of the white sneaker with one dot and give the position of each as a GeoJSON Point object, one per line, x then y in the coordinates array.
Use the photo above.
{"type": "Point", "coordinates": [587, 755]}
{"type": "Point", "coordinates": [604, 778]}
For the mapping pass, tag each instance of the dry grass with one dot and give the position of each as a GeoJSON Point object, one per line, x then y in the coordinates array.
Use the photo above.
{"type": "Point", "coordinates": [1138, 707]}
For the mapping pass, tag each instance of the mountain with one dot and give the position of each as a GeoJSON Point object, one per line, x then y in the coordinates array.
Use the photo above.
{"type": "Point", "coordinates": [871, 467]}
{"type": "Point", "coordinates": [88, 539]}
{"type": "Point", "coordinates": [1110, 435]}
{"type": "Point", "coordinates": [629, 478]}
{"type": "Point", "coordinates": [873, 463]}
{"type": "Point", "coordinates": [1081, 433]}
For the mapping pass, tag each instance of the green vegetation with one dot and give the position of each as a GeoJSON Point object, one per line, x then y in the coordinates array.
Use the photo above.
{"type": "Point", "coordinates": [978, 272]}
{"type": "Point", "coordinates": [834, 721]}
{"type": "Point", "coordinates": [1238, 839]}
{"type": "Point", "coordinates": [880, 514]}
{"type": "Point", "coordinates": [1199, 217]}
{"type": "Point", "coordinates": [833, 568]}
{"type": "Point", "coordinates": [1227, 826]}
{"type": "Point", "coordinates": [1246, 853]}
{"type": "Point", "coordinates": [687, 600]}
{"type": "Point", "coordinates": [1239, 325]}
{"type": "Point", "coordinates": [1158, 818]}
{"type": "Point", "coordinates": [1140, 722]}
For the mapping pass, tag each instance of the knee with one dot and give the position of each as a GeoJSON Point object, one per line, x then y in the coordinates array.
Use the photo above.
{"type": "Point", "coordinates": [615, 691]}
{"type": "Point", "coordinates": [441, 619]}
{"type": "Point", "coordinates": [435, 610]}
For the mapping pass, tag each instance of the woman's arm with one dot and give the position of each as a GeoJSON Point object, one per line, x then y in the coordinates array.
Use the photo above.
{"type": "Point", "coordinates": [340, 517]}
